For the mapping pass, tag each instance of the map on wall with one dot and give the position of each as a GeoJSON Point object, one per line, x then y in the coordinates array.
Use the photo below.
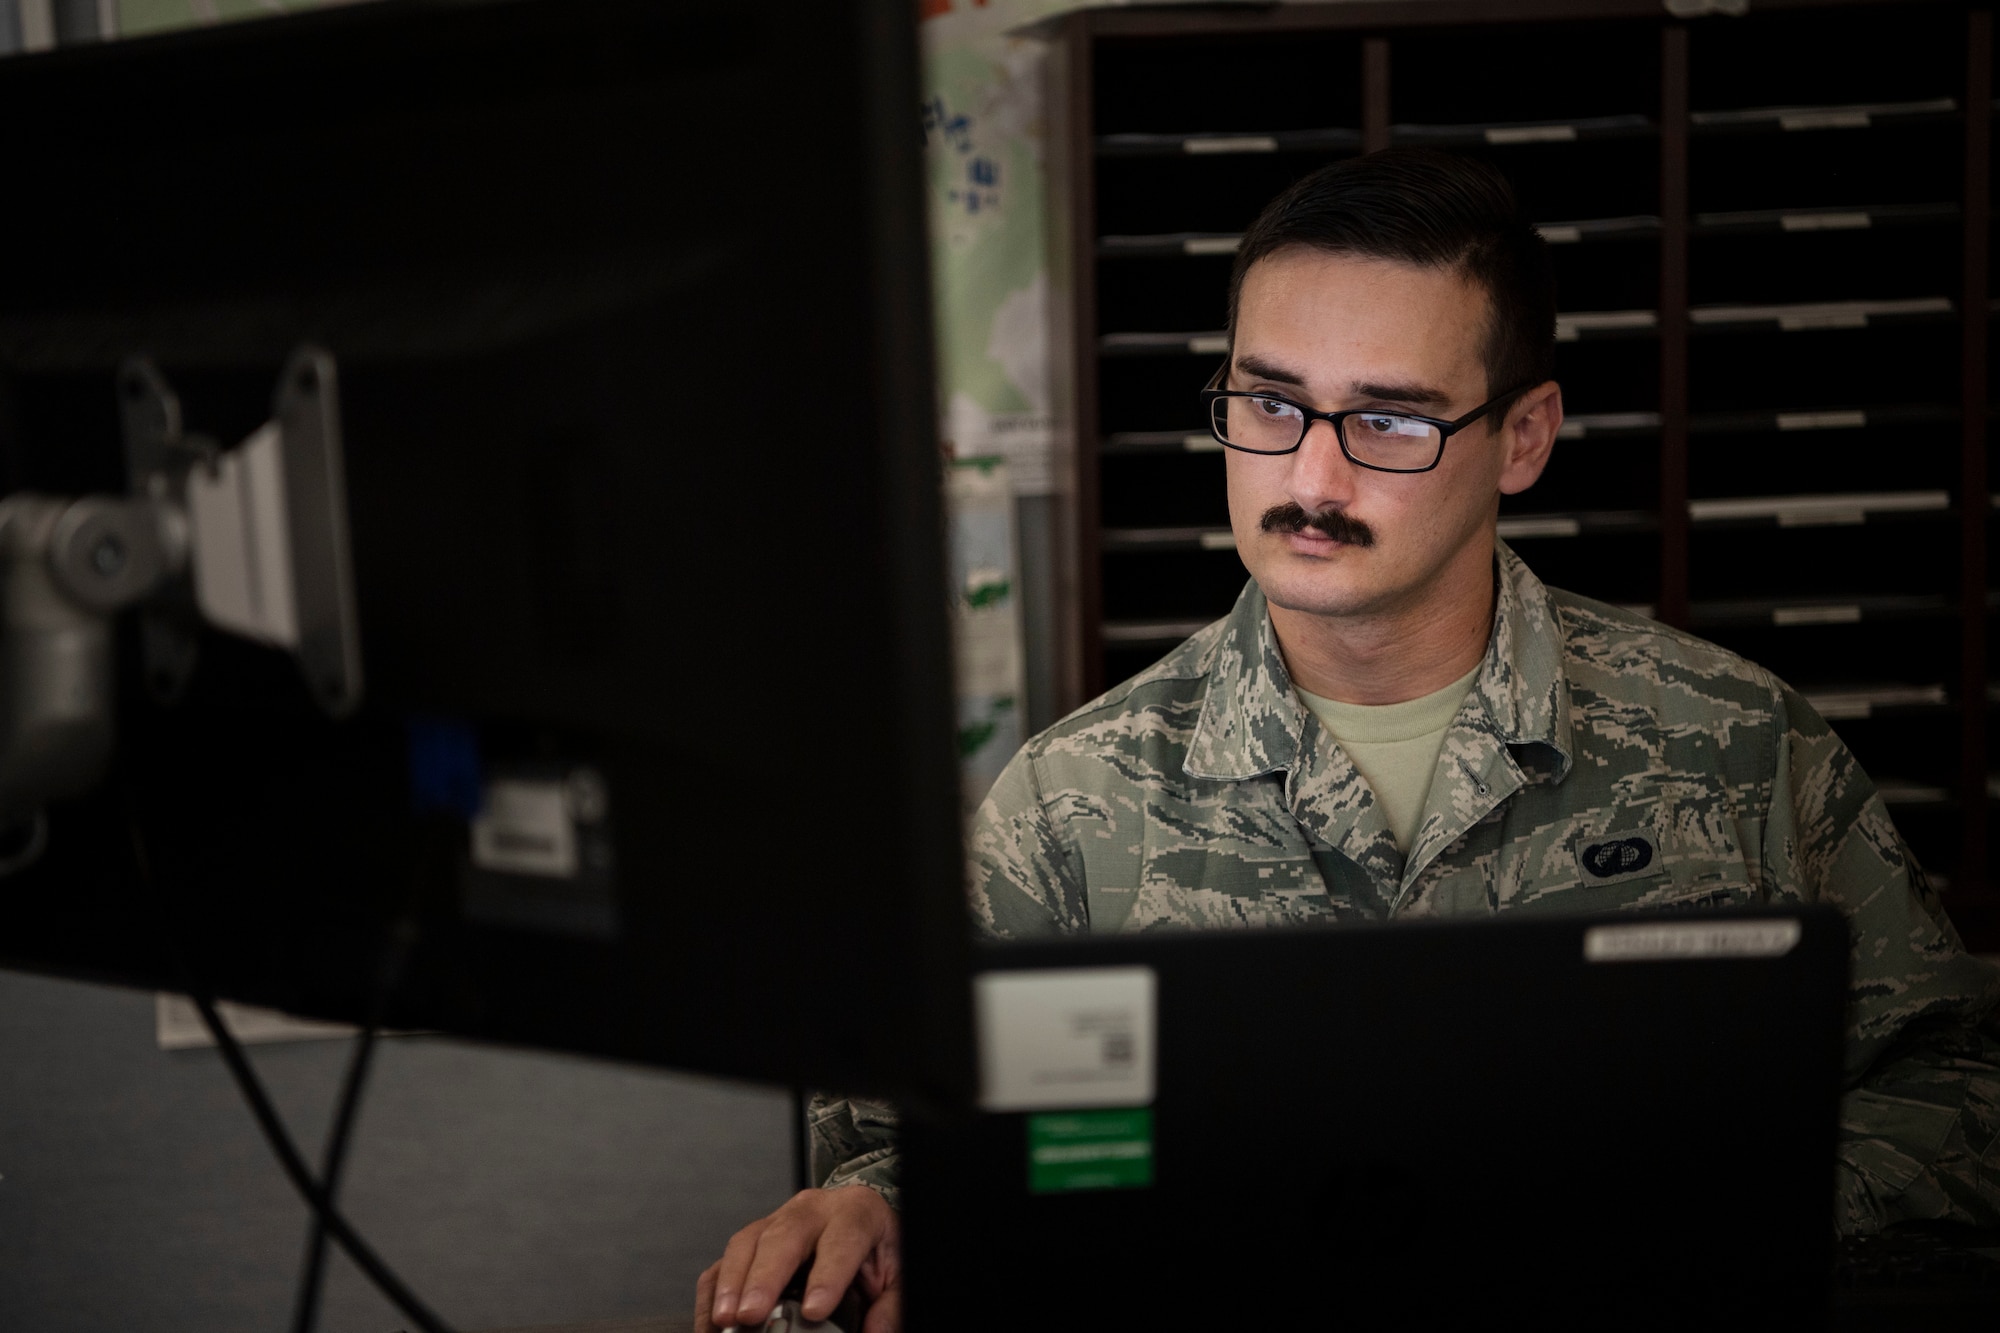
{"type": "Point", "coordinates": [984, 136]}
{"type": "Point", "coordinates": [982, 131]}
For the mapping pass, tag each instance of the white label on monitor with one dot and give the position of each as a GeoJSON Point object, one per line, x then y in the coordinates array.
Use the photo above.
{"type": "Point", "coordinates": [525, 829]}
{"type": "Point", "coordinates": [1055, 1038]}
{"type": "Point", "coordinates": [1648, 941]}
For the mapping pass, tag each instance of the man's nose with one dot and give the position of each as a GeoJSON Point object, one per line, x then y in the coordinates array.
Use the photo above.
{"type": "Point", "coordinates": [1322, 476]}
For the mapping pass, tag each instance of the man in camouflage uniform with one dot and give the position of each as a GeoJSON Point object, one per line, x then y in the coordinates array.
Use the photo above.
{"type": "Point", "coordinates": [1586, 759]}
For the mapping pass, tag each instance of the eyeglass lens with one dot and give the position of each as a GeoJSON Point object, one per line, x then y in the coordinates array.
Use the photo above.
{"type": "Point", "coordinates": [1274, 426]}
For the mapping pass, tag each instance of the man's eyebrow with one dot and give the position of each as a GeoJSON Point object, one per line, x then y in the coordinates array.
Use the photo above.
{"type": "Point", "coordinates": [1422, 395]}
{"type": "Point", "coordinates": [1416, 395]}
{"type": "Point", "coordinates": [1267, 370]}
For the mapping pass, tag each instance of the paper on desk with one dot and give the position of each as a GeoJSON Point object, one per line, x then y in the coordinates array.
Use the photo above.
{"type": "Point", "coordinates": [178, 1027]}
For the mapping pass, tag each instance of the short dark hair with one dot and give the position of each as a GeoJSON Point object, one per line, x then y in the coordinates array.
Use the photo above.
{"type": "Point", "coordinates": [1435, 210]}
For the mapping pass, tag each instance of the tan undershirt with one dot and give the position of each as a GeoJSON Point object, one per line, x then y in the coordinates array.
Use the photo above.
{"type": "Point", "coordinates": [1395, 747]}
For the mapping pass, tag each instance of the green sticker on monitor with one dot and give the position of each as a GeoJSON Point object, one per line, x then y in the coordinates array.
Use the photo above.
{"type": "Point", "coordinates": [1090, 1150]}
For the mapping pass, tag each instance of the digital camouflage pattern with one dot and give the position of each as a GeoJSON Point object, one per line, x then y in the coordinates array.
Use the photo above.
{"type": "Point", "coordinates": [854, 1143]}
{"type": "Point", "coordinates": [1203, 793]}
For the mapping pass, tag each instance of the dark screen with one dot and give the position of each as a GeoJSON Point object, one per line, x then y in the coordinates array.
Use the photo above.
{"type": "Point", "coordinates": [628, 303]}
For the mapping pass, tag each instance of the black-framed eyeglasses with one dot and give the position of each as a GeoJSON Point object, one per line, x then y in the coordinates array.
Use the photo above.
{"type": "Point", "coordinates": [1266, 423]}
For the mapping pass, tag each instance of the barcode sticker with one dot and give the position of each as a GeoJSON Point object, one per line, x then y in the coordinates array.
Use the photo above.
{"type": "Point", "coordinates": [1056, 1038]}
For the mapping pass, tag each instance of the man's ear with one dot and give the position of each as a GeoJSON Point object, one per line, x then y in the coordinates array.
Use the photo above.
{"type": "Point", "coordinates": [1529, 435]}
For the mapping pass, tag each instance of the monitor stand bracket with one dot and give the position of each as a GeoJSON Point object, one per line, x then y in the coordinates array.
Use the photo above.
{"type": "Point", "coordinates": [252, 540]}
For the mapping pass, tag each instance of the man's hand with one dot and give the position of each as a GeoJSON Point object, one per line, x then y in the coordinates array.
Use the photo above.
{"type": "Point", "coordinates": [850, 1232]}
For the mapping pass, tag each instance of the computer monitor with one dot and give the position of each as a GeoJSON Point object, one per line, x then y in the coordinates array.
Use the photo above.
{"type": "Point", "coordinates": [650, 750]}
{"type": "Point", "coordinates": [1469, 1123]}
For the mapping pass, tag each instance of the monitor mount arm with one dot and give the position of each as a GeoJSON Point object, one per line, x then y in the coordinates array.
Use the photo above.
{"type": "Point", "coordinates": [252, 540]}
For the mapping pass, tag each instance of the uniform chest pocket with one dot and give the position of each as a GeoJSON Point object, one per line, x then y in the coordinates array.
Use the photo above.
{"type": "Point", "coordinates": [1627, 866]}
{"type": "Point", "coordinates": [1644, 868]}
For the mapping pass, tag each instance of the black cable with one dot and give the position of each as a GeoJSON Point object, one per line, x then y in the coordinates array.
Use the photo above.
{"type": "Point", "coordinates": [305, 1313]}
{"type": "Point", "coordinates": [337, 1226]}
{"type": "Point", "coordinates": [312, 1273]}
{"type": "Point", "coordinates": [267, 1118]}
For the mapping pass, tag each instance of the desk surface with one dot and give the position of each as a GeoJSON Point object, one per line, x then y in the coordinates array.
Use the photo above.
{"type": "Point", "coordinates": [679, 1323]}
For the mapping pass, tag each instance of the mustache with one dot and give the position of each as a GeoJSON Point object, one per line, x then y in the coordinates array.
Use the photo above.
{"type": "Point", "coordinates": [1289, 517]}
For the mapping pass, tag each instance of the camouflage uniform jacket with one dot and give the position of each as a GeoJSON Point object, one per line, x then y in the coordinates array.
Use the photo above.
{"type": "Point", "coordinates": [1202, 793]}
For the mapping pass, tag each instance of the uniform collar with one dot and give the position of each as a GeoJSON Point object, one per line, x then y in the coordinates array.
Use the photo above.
{"type": "Point", "coordinates": [1522, 688]}
{"type": "Point", "coordinates": [1252, 721]}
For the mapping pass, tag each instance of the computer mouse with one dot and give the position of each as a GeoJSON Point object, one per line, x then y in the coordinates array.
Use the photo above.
{"type": "Point", "coordinates": [787, 1319]}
